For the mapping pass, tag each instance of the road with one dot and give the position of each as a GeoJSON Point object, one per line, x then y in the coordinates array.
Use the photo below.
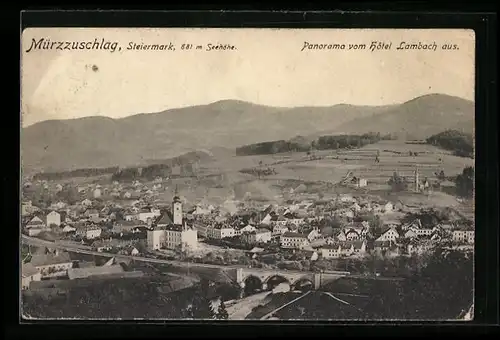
{"type": "Point", "coordinates": [268, 315]}
{"type": "Point", "coordinates": [43, 243]}
{"type": "Point", "coordinates": [243, 307]}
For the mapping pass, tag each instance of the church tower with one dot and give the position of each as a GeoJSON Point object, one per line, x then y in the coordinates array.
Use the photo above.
{"type": "Point", "coordinates": [177, 208]}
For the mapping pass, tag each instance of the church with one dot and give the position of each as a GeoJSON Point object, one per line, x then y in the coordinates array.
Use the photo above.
{"type": "Point", "coordinates": [171, 231]}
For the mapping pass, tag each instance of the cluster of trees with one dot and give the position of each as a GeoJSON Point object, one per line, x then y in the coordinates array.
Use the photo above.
{"type": "Point", "coordinates": [269, 148]}
{"type": "Point", "coordinates": [397, 182]}
{"type": "Point", "coordinates": [150, 172]}
{"type": "Point", "coordinates": [331, 142]}
{"type": "Point", "coordinates": [437, 287]}
{"type": "Point", "coordinates": [125, 299]}
{"type": "Point", "coordinates": [346, 141]}
{"type": "Point", "coordinates": [90, 172]}
{"type": "Point", "coordinates": [428, 217]}
{"type": "Point", "coordinates": [440, 290]}
{"type": "Point", "coordinates": [259, 171]}
{"type": "Point", "coordinates": [462, 144]}
{"type": "Point", "coordinates": [465, 183]}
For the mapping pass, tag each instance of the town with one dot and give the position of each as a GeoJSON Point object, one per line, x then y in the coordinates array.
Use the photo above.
{"type": "Point", "coordinates": [309, 233]}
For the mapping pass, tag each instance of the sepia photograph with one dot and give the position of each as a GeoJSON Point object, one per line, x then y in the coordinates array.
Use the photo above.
{"type": "Point", "coordinates": [247, 174]}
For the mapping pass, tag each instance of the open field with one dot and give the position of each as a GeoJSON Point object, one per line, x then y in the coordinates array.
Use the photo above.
{"type": "Point", "coordinates": [219, 178]}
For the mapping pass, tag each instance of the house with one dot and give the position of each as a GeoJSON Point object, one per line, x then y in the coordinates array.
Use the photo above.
{"type": "Point", "coordinates": [398, 206]}
{"type": "Point", "coordinates": [346, 199]}
{"type": "Point", "coordinates": [68, 229]}
{"type": "Point", "coordinates": [342, 249]}
{"type": "Point", "coordinates": [258, 236]}
{"type": "Point", "coordinates": [292, 240]}
{"type": "Point", "coordinates": [313, 235]}
{"type": "Point", "coordinates": [415, 224]}
{"type": "Point", "coordinates": [53, 218]}
{"type": "Point", "coordinates": [352, 234]}
{"type": "Point", "coordinates": [52, 265]}
{"type": "Point", "coordinates": [35, 222]}
{"type": "Point", "coordinates": [424, 232]}
{"type": "Point", "coordinates": [91, 213]}
{"type": "Point", "coordinates": [29, 273]}
{"type": "Point", "coordinates": [125, 227]}
{"type": "Point", "coordinates": [218, 232]}
{"type": "Point", "coordinates": [59, 187]}
{"type": "Point", "coordinates": [97, 193]}
{"type": "Point", "coordinates": [341, 236]}
{"type": "Point", "coordinates": [410, 234]}
{"type": "Point", "coordinates": [127, 194]}
{"type": "Point", "coordinates": [420, 247]}
{"type": "Point", "coordinates": [58, 206]}
{"type": "Point", "coordinates": [279, 229]}
{"type": "Point", "coordinates": [355, 207]}
{"type": "Point", "coordinates": [86, 202]}
{"type": "Point", "coordinates": [267, 219]}
{"type": "Point", "coordinates": [89, 233]}
{"type": "Point", "coordinates": [146, 215]}
{"type": "Point", "coordinates": [247, 229]}
{"type": "Point", "coordinates": [36, 226]}
{"type": "Point", "coordinates": [386, 248]}
{"type": "Point", "coordinates": [201, 211]}
{"type": "Point", "coordinates": [27, 208]}
{"type": "Point", "coordinates": [388, 207]}
{"type": "Point", "coordinates": [463, 236]}
{"type": "Point", "coordinates": [390, 234]}
{"type": "Point", "coordinates": [362, 182]}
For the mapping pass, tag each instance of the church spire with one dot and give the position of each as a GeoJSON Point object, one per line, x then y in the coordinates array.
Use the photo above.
{"type": "Point", "coordinates": [176, 194]}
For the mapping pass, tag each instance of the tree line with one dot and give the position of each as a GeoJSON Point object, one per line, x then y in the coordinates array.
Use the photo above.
{"type": "Point", "coordinates": [88, 172]}
{"type": "Point", "coordinates": [328, 142]}
{"type": "Point", "coordinates": [462, 144]}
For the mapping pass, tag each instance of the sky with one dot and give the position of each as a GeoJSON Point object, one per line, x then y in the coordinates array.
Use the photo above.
{"type": "Point", "coordinates": [267, 67]}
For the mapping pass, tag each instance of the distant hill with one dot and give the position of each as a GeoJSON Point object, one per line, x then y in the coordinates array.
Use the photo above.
{"type": "Point", "coordinates": [419, 118]}
{"type": "Point", "coordinates": [144, 138]}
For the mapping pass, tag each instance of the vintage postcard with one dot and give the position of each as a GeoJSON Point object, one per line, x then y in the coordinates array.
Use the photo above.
{"type": "Point", "coordinates": [247, 174]}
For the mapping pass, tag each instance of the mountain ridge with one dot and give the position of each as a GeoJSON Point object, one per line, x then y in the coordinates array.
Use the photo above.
{"type": "Point", "coordinates": [100, 141]}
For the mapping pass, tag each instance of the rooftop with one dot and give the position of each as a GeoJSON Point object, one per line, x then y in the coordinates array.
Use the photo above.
{"type": "Point", "coordinates": [28, 270]}
{"type": "Point", "coordinates": [49, 259]}
{"type": "Point", "coordinates": [79, 273]}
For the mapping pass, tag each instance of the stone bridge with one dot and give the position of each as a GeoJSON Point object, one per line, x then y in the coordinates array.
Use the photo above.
{"type": "Point", "coordinates": [243, 275]}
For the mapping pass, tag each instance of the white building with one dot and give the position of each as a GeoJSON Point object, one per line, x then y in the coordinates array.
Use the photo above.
{"type": "Point", "coordinates": [89, 233]}
{"type": "Point", "coordinates": [51, 265]}
{"type": "Point", "coordinates": [53, 218]}
{"type": "Point", "coordinates": [28, 274]}
{"type": "Point", "coordinates": [344, 249]}
{"type": "Point", "coordinates": [97, 193]}
{"type": "Point", "coordinates": [220, 232]}
{"type": "Point", "coordinates": [145, 215]}
{"type": "Point", "coordinates": [173, 233]}
{"type": "Point", "coordinates": [390, 234]}
{"type": "Point", "coordinates": [258, 236]}
{"type": "Point", "coordinates": [86, 202]}
{"type": "Point", "coordinates": [463, 236]}
{"type": "Point", "coordinates": [362, 183]}
{"type": "Point", "coordinates": [294, 240]}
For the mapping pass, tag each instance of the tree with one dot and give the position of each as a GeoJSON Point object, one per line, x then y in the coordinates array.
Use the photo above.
{"type": "Point", "coordinates": [441, 176]}
{"type": "Point", "coordinates": [465, 182]}
{"type": "Point", "coordinates": [397, 182]}
{"type": "Point", "coordinates": [222, 313]}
